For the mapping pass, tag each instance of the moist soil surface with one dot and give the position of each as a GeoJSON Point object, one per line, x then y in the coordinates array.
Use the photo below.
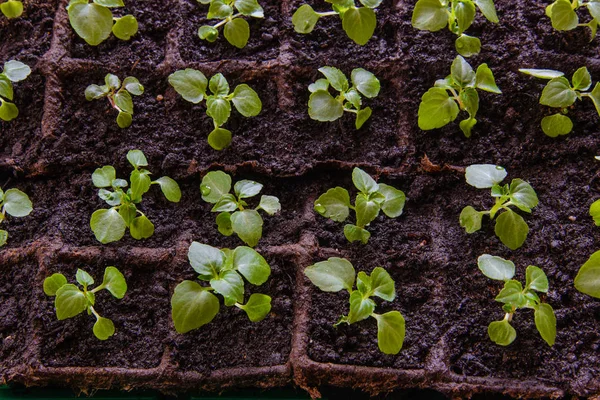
{"type": "Point", "coordinates": [59, 138]}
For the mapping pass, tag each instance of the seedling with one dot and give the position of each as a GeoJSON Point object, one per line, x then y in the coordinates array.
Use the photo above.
{"type": "Point", "coordinates": [458, 15]}
{"type": "Point", "coordinates": [372, 197]}
{"type": "Point", "coordinates": [560, 93]}
{"type": "Point", "coordinates": [514, 296]}
{"type": "Point", "coordinates": [118, 95]}
{"type": "Point", "coordinates": [71, 301]}
{"type": "Point", "coordinates": [511, 228]}
{"type": "Point", "coordinates": [236, 29]}
{"type": "Point", "coordinates": [94, 21]}
{"type": "Point", "coordinates": [358, 22]}
{"type": "Point", "coordinates": [337, 274]}
{"type": "Point", "coordinates": [12, 9]}
{"type": "Point", "coordinates": [14, 203]}
{"type": "Point", "coordinates": [109, 224]}
{"type": "Point", "coordinates": [233, 216]}
{"type": "Point", "coordinates": [13, 71]}
{"type": "Point", "coordinates": [322, 106]}
{"type": "Point", "coordinates": [193, 305]}
{"type": "Point", "coordinates": [563, 14]}
{"type": "Point", "coordinates": [440, 104]}
{"type": "Point", "coordinates": [191, 85]}
{"type": "Point", "coordinates": [587, 280]}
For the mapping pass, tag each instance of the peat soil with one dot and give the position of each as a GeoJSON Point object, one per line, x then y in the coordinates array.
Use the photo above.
{"type": "Point", "coordinates": [60, 138]}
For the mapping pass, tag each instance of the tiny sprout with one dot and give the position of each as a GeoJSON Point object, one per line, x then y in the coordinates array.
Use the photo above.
{"type": "Point", "coordinates": [109, 224]}
{"type": "Point", "coordinates": [514, 296]}
{"type": "Point", "coordinates": [13, 71]}
{"type": "Point", "coordinates": [11, 9]}
{"type": "Point", "coordinates": [372, 198]}
{"type": "Point", "coordinates": [587, 280]}
{"type": "Point", "coordinates": [560, 93]}
{"type": "Point", "coordinates": [322, 106]}
{"type": "Point", "coordinates": [511, 228]}
{"type": "Point", "coordinates": [438, 108]}
{"type": "Point", "coordinates": [236, 29]}
{"type": "Point", "coordinates": [94, 21]}
{"type": "Point", "coordinates": [118, 95]}
{"type": "Point", "coordinates": [14, 203]}
{"type": "Point", "coordinates": [71, 301]}
{"type": "Point", "coordinates": [234, 216]}
{"type": "Point", "coordinates": [563, 14]}
{"type": "Point", "coordinates": [338, 274]}
{"type": "Point", "coordinates": [193, 305]}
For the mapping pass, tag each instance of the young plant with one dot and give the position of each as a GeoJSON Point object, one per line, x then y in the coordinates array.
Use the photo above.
{"type": "Point", "coordinates": [94, 21]}
{"type": "Point", "coordinates": [14, 203]}
{"type": "Point", "coordinates": [358, 22]}
{"type": "Point", "coordinates": [71, 301]}
{"type": "Point", "coordinates": [11, 8]}
{"type": "Point", "coordinates": [118, 95]}
{"type": "Point", "coordinates": [233, 216]}
{"type": "Point", "coordinates": [514, 296]}
{"type": "Point", "coordinates": [322, 106]}
{"type": "Point", "coordinates": [236, 29]}
{"type": "Point", "coordinates": [440, 104]}
{"type": "Point", "coordinates": [193, 305]}
{"type": "Point", "coordinates": [191, 85]}
{"type": "Point", "coordinates": [458, 15]}
{"type": "Point", "coordinates": [109, 224]}
{"type": "Point", "coordinates": [564, 17]}
{"type": "Point", "coordinates": [13, 71]}
{"type": "Point", "coordinates": [337, 274]}
{"type": "Point", "coordinates": [560, 93]}
{"type": "Point", "coordinates": [587, 280]}
{"type": "Point", "coordinates": [510, 228]}
{"type": "Point", "coordinates": [372, 197]}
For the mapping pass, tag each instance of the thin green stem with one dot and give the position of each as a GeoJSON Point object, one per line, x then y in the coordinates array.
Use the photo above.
{"type": "Point", "coordinates": [327, 14]}
{"type": "Point", "coordinates": [226, 20]}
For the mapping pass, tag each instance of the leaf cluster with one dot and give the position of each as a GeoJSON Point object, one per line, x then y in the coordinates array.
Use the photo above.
{"type": "Point", "coordinates": [560, 93]}
{"type": "Point", "coordinates": [337, 274]}
{"type": "Point", "coordinates": [358, 22]}
{"type": "Point", "coordinates": [458, 15]}
{"type": "Point", "coordinates": [193, 305]}
{"type": "Point", "coordinates": [563, 14]}
{"type": "Point", "coordinates": [514, 296]}
{"type": "Point", "coordinates": [12, 8]}
{"type": "Point", "coordinates": [322, 106]}
{"type": "Point", "coordinates": [236, 29]}
{"type": "Point", "coordinates": [71, 301]}
{"type": "Point", "coordinates": [234, 216]}
{"type": "Point", "coordinates": [13, 71]}
{"type": "Point", "coordinates": [192, 84]}
{"type": "Point", "coordinates": [94, 21]}
{"type": "Point", "coordinates": [587, 280]}
{"type": "Point", "coordinates": [118, 95]}
{"type": "Point", "coordinates": [441, 104]}
{"type": "Point", "coordinates": [372, 198]}
{"type": "Point", "coordinates": [14, 203]}
{"type": "Point", "coordinates": [109, 224]}
{"type": "Point", "coordinates": [510, 228]}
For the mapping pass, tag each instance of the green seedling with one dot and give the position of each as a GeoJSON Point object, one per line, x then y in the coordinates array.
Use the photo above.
{"type": "Point", "coordinates": [563, 14]}
{"type": "Point", "coordinates": [358, 22]}
{"type": "Point", "coordinates": [441, 104]}
{"type": "Point", "coordinates": [587, 280]}
{"type": "Point", "coordinates": [118, 95]}
{"type": "Point", "coordinates": [94, 21]}
{"type": "Point", "coordinates": [514, 296]}
{"type": "Point", "coordinates": [234, 216]}
{"type": "Point", "coordinates": [458, 15]}
{"type": "Point", "coordinates": [71, 301]}
{"type": "Point", "coordinates": [338, 274]}
{"type": "Point", "coordinates": [229, 12]}
{"type": "Point", "coordinates": [192, 84]}
{"type": "Point", "coordinates": [193, 305]}
{"type": "Point", "coordinates": [510, 228]}
{"type": "Point", "coordinates": [11, 9]}
{"type": "Point", "coordinates": [560, 93]}
{"type": "Point", "coordinates": [109, 224]}
{"type": "Point", "coordinates": [372, 198]}
{"type": "Point", "coordinates": [13, 71]}
{"type": "Point", "coordinates": [14, 203]}
{"type": "Point", "coordinates": [322, 106]}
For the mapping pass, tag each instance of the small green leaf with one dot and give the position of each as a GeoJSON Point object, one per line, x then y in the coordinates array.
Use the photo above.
{"type": "Point", "coordinates": [319, 84]}
{"type": "Point", "coordinates": [250, 8]}
{"type": "Point", "coordinates": [3, 237]}
{"type": "Point", "coordinates": [128, 213]}
{"type": "Point", "coordinates": [8, 111]}
{"type": "Point", "coordinates": [140, 184]}
{"type": "Point", "coordinates": [206, 260]}
{"type": "Point", "coordinates": [336, 78]}
{"type": "Point", "coordinates": [137, 158]}
{"type": "Point", "coordinates": [545, 322]}
{"type": "Point", "coordinates": [465, 14]}
{"type": "Point", "coordinates": [390, 332]}
{"type": "Point", "coordinates": [496, 267]}
{"type": "Point", "coordinates": [112, 81]}
{"type": "Point", "coordinates": [470, 219]}
{"type": "Point", "coordinates": [595, 212]}
{"type": "Point", "coordinates": [224, 224]}
{"type": "Point", "coordinates": [246, 101]}
{"type": "Point", "coordinates": [170, 189]}
{"type": "Point", "coordinates": [467, 46]}
{"type": "Point", "coordinates": [208, 33]}
{"type": "Point", "coordinates": [219, 9]}
{"type": "Point", "coordinates": [393, 205]}
{"type": "Point", "coordinates": [230, 285]}
{"type": "Point", "coordinates": [363, 181]}
{"type": "Point", "coordinates": [334, 204]}
{"type": "Point", "coordinates": [16, 71]}
{"type": "Point", "coordinates": [556, 125]}
{"type": "Point", "coordinates": [536, 279]}
{"type": "Point", "coordinates": [488, 9]}
{"type": "Point", "coordinates": [323, 107]}
{"type": "Point", "coordinates": [462, 72]}
{"type": "Point", "coordinates": [114, 282]}
{"type": "Point", "coordinates": [124, 101]}
{"type": "Point", "coordinates": [219, 138]}
{"type": "Point", "coordinates": [192, 306]}
{"type": "Point", "coordinates": [484, 79]}
{"type": "Point", "coordinates": [17, 203]}
{"type": "Point", "coordinates": [190, 84]}
{"type": "Point", "coordinates": [270, 204]}
{"type": "Point", "coordinates": [108, 225]}
{"type": "Point", "coordinates": [502, 333]}
{"type": "Point", "coordinates": [244, 189]}
{"type": "Point", "coordinates": [467, 125]}
{"type": "Point", "coordinates": [542, 73]}
{"type": "Point", "coordinates": [563, 17]}
{"type": "Point", "coordinates": [103, 177]}
{"type": "Point", "coordinates": [470, 100]}
{"type": "Point", "coordinates": [430, 15]}
{"type": "Point", "coordinates": [366, 210]}
{"type": "Point", "coordinates": [483, 176]}
{"type": "Point", "coordinates": [237, 32]}
{"type": "Point", "coordinates": [251, 265]}
{"type": "Point", "coordinates": [214, 185]}
{"type": "Point", "coordinates": [365, 82]}
{"type": "Point", "coordinates": [218, 85]}
{"type": "Point", "coordinates": [359, 24]}
{"type": "Point", "coordinates": [247, 225]}
{"type": "Point", "coordinates": [355, 234]}
{"type": "Point", "coordinates": [587, 280]}
{"type": "Point", "coordinates": [227, 202]}
{"type": "Point", "coordinates": [53, 283]}
{"type": "Point", "coordinates": [104, 328]}
{"type": "Point", "coordinates": [6, 87]}
{"type": "Point", "coordinates": [12, 9]}
{"type": "Point", "coordinates": [522, 195]}
{"type": "Point", "coordinates": [257, 307]}
{"type": "Point", "coordinates": [133, 86]}
{"type": "Point", "coordinates": [595, 96]}
{"type": "Point", "coordinates": [94, 92]}
{"type": "Point", "coordinates": [512, 294]}
{"type": "Point", "coordinates": [360, 308]}
{"type": "Point", "coordinates": [437, 109]}
{"type": "Point", "coordinates": [582, 79]}
{"type": "Point", "coordinates": [218, 109]}
{"type": "Point", "coordinates": [332, 275]}
{"type": "Point", "coordinates": [125, 27]}
{"type": "Point", "coordinates": [124, 119]}
{"type": "Point", "coordinates": [70, 301]}
{"type": "Point", "coordinates": [83, 278]}
{"type": "Point", "coordinates": [512, 229]}
{"type": "Point", "coordinates": [382, 284]}
{"type": "Point", "coordinates": [92, 22]}
{"type": "Point", "coordinates": [141, 228]}
{"type": "Point", "coordinates": [362, 116]}
{"type": "Point", "coordinates": [558, 93]}
{"type": "Point", "coordinates": [304, 19]}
